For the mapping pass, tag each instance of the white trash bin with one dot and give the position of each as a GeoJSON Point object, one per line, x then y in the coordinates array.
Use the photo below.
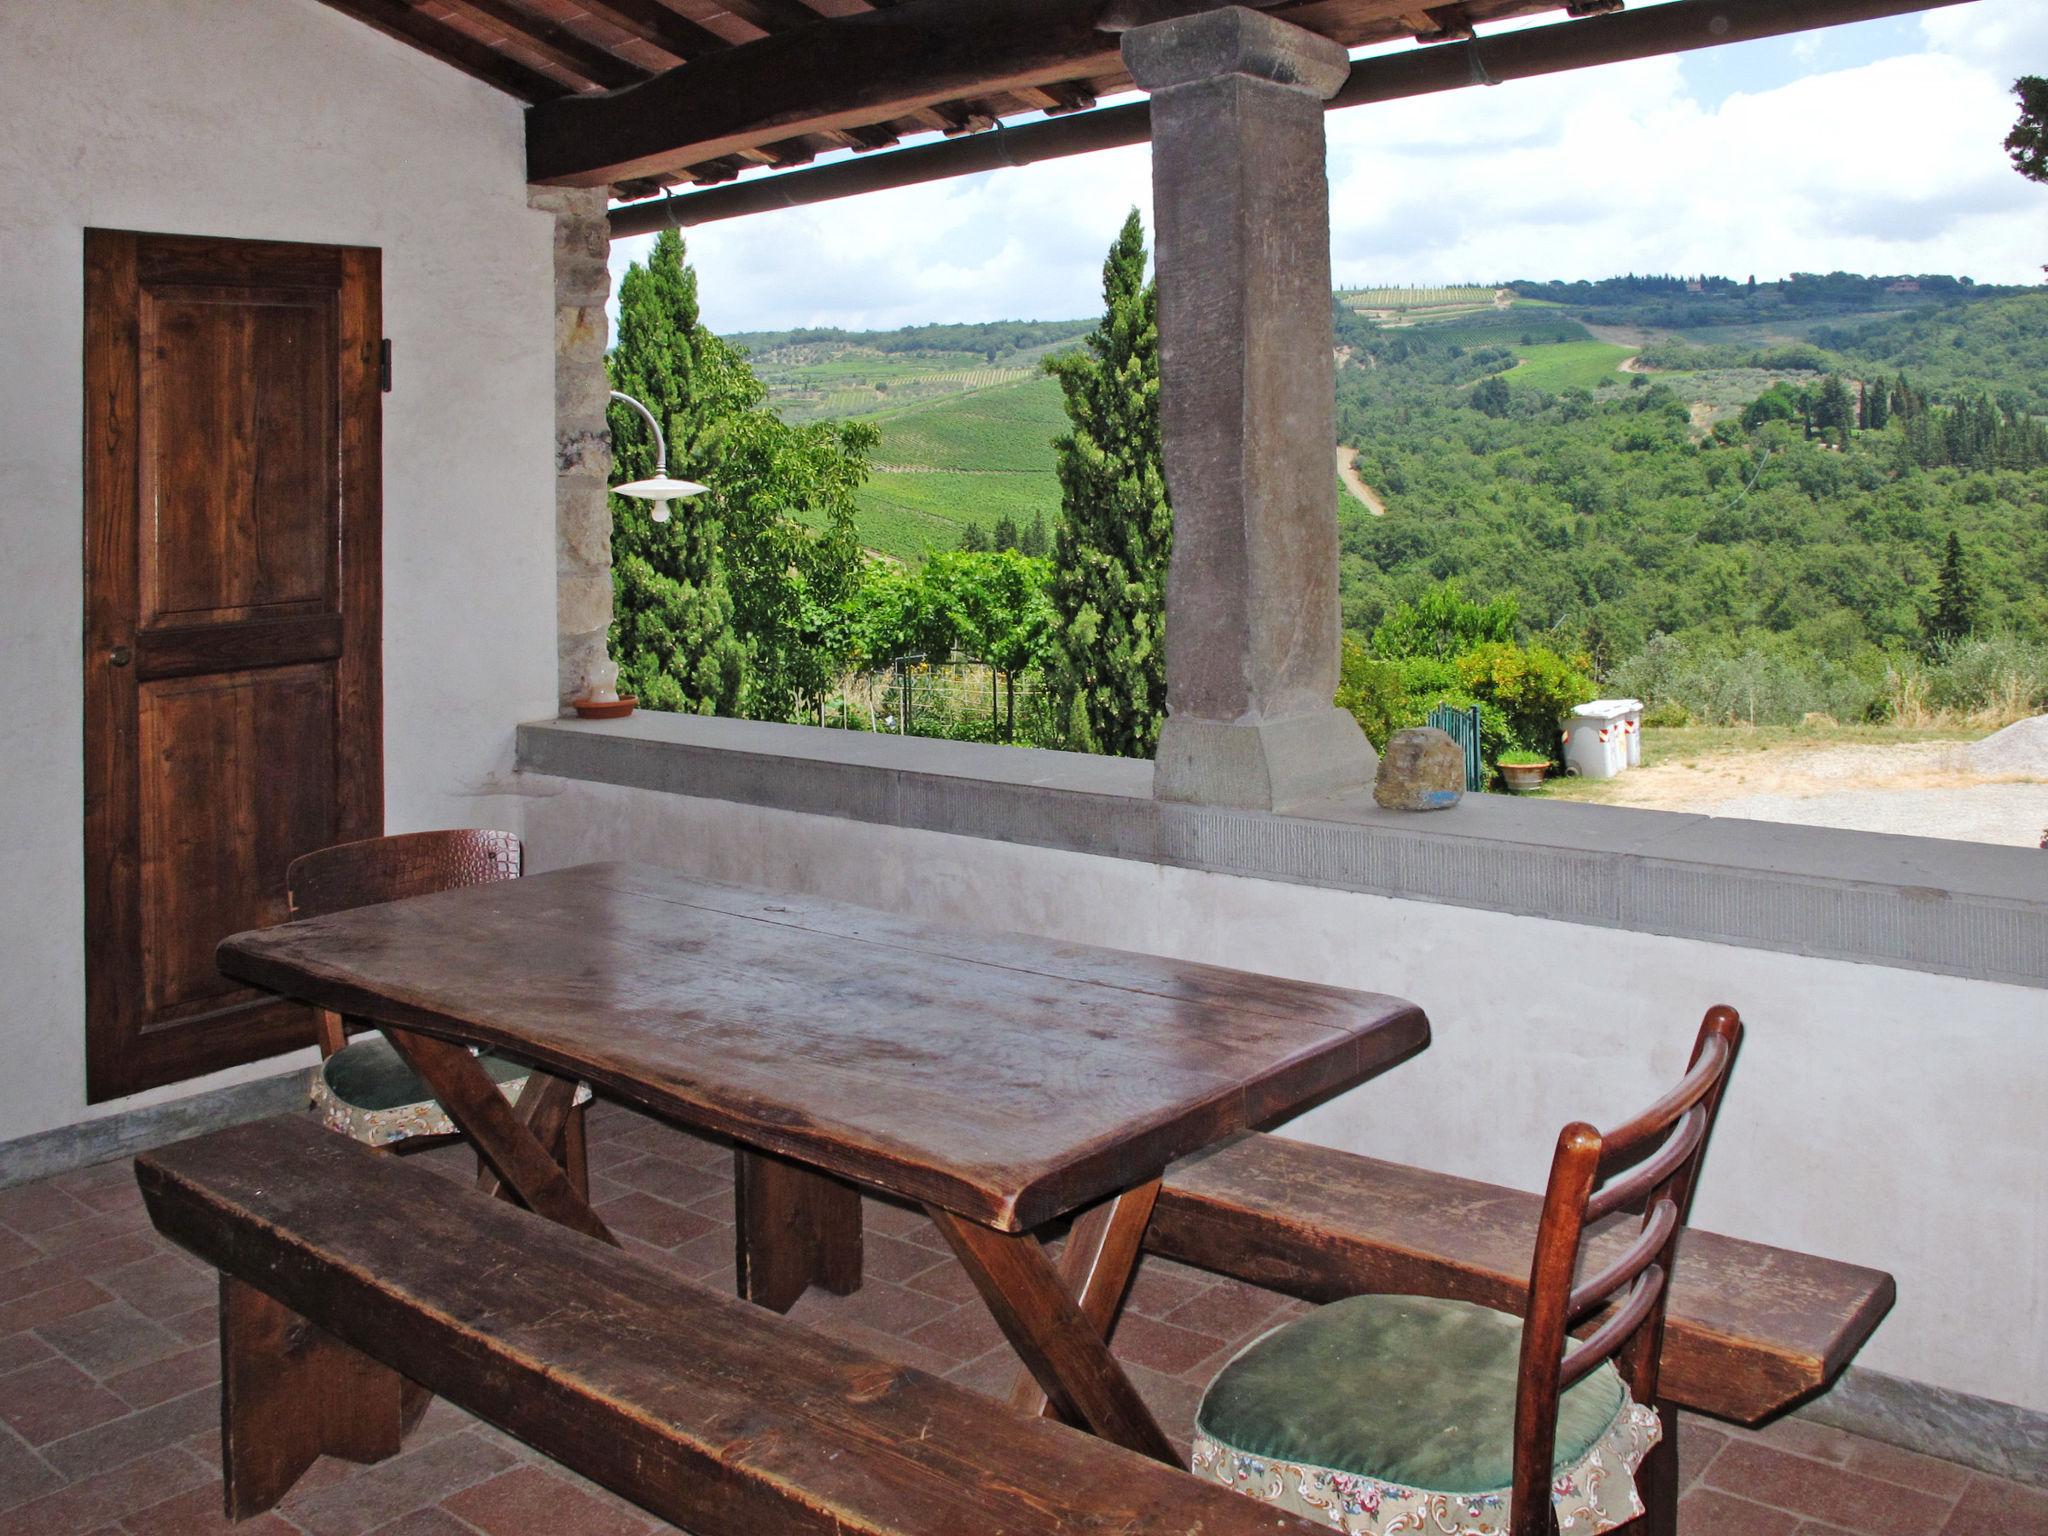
{"type": "Point", "coordinates": [1603, 738]}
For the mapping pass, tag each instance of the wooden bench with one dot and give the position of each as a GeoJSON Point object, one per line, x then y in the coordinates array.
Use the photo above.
{"type": "Point", "coordinates": [1752, 1329]}
{"type": "Point", "coordinates": [341, 1268]}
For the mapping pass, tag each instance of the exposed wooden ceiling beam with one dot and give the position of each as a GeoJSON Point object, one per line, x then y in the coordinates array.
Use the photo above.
{"type": "Point", "coordinates": [858, 70]}
{"type": "Point", "coordinates": [554, 42]}
{"type": "Point", "coordinates": [653, 22]}
{"type": "Point", "coordinates": [394, 18]}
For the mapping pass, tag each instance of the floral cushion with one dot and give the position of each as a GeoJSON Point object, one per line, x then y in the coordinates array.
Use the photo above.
{"type": "Point", "coordinates": [366, 1091]}
{"type": "Point", "coordinates": [1396, 1413]}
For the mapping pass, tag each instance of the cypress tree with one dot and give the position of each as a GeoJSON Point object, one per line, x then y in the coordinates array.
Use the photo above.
{"type": "Point", "coordinates": [1107, 662]}
{"type": "Point", "coordinates": [1954, 614]}
{"type": "Point", "coordinates": [1004, 535]}
{"type": "Point", "coordinates": [671, 611]}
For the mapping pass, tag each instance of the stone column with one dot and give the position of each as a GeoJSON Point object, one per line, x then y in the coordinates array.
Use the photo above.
{"type": "Point", "coordinates": [1241, 203]}
{"type": "Point", "coordinates": [583, 450]}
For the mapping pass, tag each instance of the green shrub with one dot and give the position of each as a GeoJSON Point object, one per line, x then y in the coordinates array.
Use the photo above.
{"type": "Point", "coordinates": [1533, 687]}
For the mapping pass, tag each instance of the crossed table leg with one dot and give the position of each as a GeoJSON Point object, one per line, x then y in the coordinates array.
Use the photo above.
{"type": "Point", "coordinates": [798, 1226]}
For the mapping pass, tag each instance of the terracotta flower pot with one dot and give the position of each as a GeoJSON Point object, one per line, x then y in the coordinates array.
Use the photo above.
{"type": "Point", "coordinates": [1523, 777]}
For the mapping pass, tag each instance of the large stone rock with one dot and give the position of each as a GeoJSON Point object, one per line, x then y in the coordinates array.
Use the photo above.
{"type": "Point", "coordinates": [1421, 770]}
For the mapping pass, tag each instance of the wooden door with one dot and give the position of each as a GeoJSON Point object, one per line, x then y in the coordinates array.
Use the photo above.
{"type": "Point", "coordinates": [233, 703]}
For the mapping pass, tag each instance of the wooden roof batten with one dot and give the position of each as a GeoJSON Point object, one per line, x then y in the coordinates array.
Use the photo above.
{"type": "Point", "coordinates": [1606, 34]}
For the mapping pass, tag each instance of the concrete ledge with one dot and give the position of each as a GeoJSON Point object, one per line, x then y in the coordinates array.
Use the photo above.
{"type": "Point", "coordinates": [1962, 909]}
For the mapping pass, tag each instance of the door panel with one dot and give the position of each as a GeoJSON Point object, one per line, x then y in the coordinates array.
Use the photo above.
{"type": "Point", "coordinates": [240, 487]}
{"type": "Point", "coordinates": [209, 741]}
{"type": "Point", "coordinates": [232, 667]}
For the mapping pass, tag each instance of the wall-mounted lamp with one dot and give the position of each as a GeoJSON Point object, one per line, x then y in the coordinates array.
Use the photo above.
{"type": "Point", "coordinates": [658, 488]}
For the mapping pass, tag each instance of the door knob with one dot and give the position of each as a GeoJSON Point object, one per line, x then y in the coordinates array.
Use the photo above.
{"type": "Point", "coordinates": [120, 656]}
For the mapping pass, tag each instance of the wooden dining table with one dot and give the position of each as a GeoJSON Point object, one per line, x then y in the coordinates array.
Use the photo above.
{"type": "Point", "coordinates": [1000, 1081]}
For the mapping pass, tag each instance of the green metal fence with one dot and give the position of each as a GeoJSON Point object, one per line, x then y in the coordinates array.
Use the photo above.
{"type": "Point", "coordinates": [1462, 726]}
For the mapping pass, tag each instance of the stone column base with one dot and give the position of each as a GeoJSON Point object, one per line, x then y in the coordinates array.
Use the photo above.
{"type": "Point", "coordinates": [1265, 767]}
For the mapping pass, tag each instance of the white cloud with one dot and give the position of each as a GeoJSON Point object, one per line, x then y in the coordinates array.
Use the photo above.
{"type": "Point", "coordinates": [1892, 166]}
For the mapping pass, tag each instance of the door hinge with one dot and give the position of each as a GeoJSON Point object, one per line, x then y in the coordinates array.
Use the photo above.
{"type": "Point", "coordinates": [384, 365]}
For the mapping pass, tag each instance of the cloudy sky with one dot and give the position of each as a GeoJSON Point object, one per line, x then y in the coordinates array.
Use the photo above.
{"type": "Point", "coordinates": [1868, 148]}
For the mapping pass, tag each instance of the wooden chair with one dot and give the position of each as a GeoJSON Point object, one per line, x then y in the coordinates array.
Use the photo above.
{"type": "Point", "coordinates": [362, 1089]}
{"type": "Point", "coordinates": [1385, 1412]}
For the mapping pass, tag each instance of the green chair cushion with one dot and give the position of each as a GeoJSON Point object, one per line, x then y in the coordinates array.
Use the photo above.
{"type": "Point", "coordinates": [1408, 1390]}
{"type": "Point", "coordinates": [368, 1074]}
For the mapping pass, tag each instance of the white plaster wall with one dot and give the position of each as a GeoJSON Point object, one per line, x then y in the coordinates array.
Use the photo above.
{"type": "Point", "coordinates": [1887, 1117]}
{"type": "Point", "coordinates": [274, 119]}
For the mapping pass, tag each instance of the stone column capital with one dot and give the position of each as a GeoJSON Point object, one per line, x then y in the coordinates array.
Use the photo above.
{"type": "Point", "coordinates": [1234, 41]}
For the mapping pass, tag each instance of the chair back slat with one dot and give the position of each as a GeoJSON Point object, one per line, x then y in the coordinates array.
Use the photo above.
{"type": "Point", "coordinates": [1662, 1147]}
{"type": "Point", "coordinates": [1632, 1261]}
{"type": "Point", "coordinates": [1626, 1192]}
{"type": "Point", "coordinates": [1602, 1343]}
{"type": "Point", "coordinates": [381, 869]}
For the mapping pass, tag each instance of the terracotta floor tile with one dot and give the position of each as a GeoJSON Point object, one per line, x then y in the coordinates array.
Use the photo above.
{"type": "Point", "coordinates": [526, 1500]}
{"type": "Point", "coordinates": [1698, 1445]}
{"type": "Point", "coordinates": [16, 1250]}
{"type": "Point", "coordinates": [138, 1434]}
{"type": "Point", "coordinates": [672, 1179]}
{"type": "Point", "coordinates": [31, 1208]}
{"type": "Point", "coordinates": [892, 1259]}
{"type": "Point", "coordinates": [1824, 1492]}
{"type": "Point", "coordinates": [887, 1308]}
{"type": "Point", "coordinates": [1993, 1506]}
{"type": "Point", "coordinates": [964, 1333]}
{"type": "Point", "coordinates": [111, 1253]}
{"type": "Point", "coordinates": [100, 1500]}
{"type": "Point", "coordinates": [893, 1220]}
{"type": "Point", "coordinates": [199, 1326]}
{"type": "Point", "coordinates": [23, 1474]}
{"type": "Point", "coordinates": [161, 1285]}
{"type": "Point", "coordinates": [1161, 1346]}
{"type": "Point", "coordinates": [198, 1512]}
{"type": "Point", "coordinates": [1704, 1512]}
{"type": "Point", "coordinates": [1160, 1285]}
{"type": "Point", "coordinates": [40, 1274]}
{"type": "Point", "coordinates": [46, 1402]}
{"type": "Point", "coordinates": [144, 1386]}
{"type": "Point", "coordinates": [425, 1522]}
{"type": "Point", "coordinates": [942, 1279]}
{"type": "Point", "coordinates": [1229, 1310]}
{"type": "Point", "coordinates": [77, 1236]}
{"type": "Point", "coordinates": [651, 1220]}
{"type": "Point", "coordinates": [391, 1490]}
{"type": "Point", "coordinates": [46, 1306]}
{"type": "Point", "coordinates": [19, 1349]}
{"type": "Point", "coordinates": [103, 1340]}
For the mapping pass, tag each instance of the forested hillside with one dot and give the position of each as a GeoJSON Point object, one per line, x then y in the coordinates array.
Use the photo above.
{"type": "Point", "coordinates": [1776, 511]}
{"type": "Point", "coordinates": [1732, 493]}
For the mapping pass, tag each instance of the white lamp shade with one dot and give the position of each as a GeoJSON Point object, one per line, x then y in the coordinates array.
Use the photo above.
{"type": "Point", "coordinates": [661, 490]}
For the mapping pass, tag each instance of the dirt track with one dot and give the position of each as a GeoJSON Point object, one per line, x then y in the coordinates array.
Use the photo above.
{"type": "Point", "coordinates": [1347, 471]}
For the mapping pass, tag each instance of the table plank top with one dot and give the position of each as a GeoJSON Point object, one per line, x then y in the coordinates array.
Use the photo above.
{"type": "Point", "coordinates": [1006, 1078]}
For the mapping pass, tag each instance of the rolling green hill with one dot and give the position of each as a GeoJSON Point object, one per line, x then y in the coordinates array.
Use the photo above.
{"type": "Point", "coordinates": [966, 457]}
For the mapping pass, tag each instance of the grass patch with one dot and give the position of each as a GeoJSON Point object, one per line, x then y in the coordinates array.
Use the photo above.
{"type": "Point", "coordinates": [1570, 365]}
{"type": "Point", "coordinates": [1008, 428]}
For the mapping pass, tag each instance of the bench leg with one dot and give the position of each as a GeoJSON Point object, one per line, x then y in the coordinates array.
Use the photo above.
{"type": "Point", "coordinates": [291, 1393]}
{"type": "Point", "coordinates": [1657, 1480]}
{"type": "Point", "coordinates": [796, 1228]}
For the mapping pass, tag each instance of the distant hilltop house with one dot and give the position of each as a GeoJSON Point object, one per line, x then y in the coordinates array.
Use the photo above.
{"type": "Point", "coordinates": [1903, 285]}
{"type": "Point", "coordinates": [1695, 287]}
